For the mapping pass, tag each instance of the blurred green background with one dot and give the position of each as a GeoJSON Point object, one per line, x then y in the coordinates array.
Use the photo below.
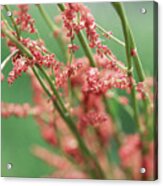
{"type": "Point", "coordinates": [18, 135]}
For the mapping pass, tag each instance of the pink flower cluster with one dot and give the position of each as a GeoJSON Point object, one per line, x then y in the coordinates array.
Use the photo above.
{"type": "Point", "coordinates": [66, 72]}
{"type": "Point", "coordinates": [11, 109]}
{"type": "Point", "coordinates": [24, 20]}
{"type": "Point", "coordinates": [100, 121]}
{"type": "Point", "coordinates": [22, 63]}
{"type": "Point", "coordinates": [49, 134]}
{"type": "Point", "coordinates": [77, 17]}
{"type": "Point", "coordinates": [99, 82]}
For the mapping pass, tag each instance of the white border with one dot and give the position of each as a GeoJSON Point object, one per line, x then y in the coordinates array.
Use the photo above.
{"type": "Point", "coordinates": [50, 182]}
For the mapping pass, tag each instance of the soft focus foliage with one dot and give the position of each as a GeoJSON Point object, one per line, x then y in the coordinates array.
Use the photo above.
{"type": "Point", "coordinates": [78, 100]}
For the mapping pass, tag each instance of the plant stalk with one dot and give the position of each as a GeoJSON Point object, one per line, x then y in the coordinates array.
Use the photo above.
{"type": "Point", "coordinates": [119, 9]}
{"type": "Point", "coordinates": [89, 157]}
{"type": "Point", "coordinates": [13, 21]}
{"type": "Point", "coordinates": [53, 28]}
{"type": "Point", "coordinates": [101, 29]}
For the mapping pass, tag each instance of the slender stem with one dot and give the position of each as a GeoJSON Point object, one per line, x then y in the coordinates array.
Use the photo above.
{"type": "Point", "coordinates": [100, 28]}
{"type": "Point", "coordinates": [53, 89]}
{"type": "Point", "coordinates": [13, 21]}
{"type": "Point", "coordinates": [69, 81]}
{"type": "Point", "coordinates": [86, 48]}
{"type": "Point", "coordinates": [41, 82]}
{"type": "Point", "coordinates": [90, 158]}
{"type": "Point", "coordinates": [4, 63]}
{"type": "Point", "coordinates": [51, 25]}
{"type": "Point", "coordinates": [136, 58]}
{"type": "Point", "coordinates": [119, 9]}
{"type": "Point", "coordinates": [18, 44]}
{"type": "Point", "coordinates": [89, 54]}
{"type": "Point", "coordinates": [129, 43]}
{"type": "Point", "coordinates": [71, 125]}
{"type": "Point", "coordinates": [53, 28]}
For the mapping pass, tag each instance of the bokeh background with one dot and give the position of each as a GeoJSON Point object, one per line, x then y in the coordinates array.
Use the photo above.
{"type": "Point", "coordinates": [19, 135]}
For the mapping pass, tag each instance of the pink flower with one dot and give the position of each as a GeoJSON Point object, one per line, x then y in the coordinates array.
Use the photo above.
{"type": "Point", "coordinates": [11, 109]}
{"type": "Point", "coordinates": [40, 57]}
{"type": "Point", "coordinates": [75, 23]}
{"type": "Point", "coordinates": [24, 20]}
{"type": "Point", "coordinates": [73, 47]}
{"type": "Point", "coordinates": [99, 82]}
{"type": "Point", "coordinates": [20, 64]}
{"type": "Point", "coordinates": [48, 133]}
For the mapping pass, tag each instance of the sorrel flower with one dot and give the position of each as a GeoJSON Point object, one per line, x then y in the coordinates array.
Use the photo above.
{"type": "Point", "coordinates": [24, 20]}
{"type": "Point", "coordinates": [77, 17]}
{"type": "Point", "coordinates": [99, 82]}
{"type": "Point", "coordinates": [11, 109]}
{"type": "Point", "coordinates": [22, 63]}
{"type": "Point", "coordinates": [76, 103]}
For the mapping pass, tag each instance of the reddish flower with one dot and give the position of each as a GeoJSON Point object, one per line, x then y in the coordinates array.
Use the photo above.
{"type": "Point", "coordinates": [24, 20]}
{"type": "Point", "coordinates": [99, 82]}
{"type": "Point", "coordinates": [74, 23]}
{"type": "Point", "coordinates": [73, 47]}
{"type": "Point", "coordinates": [11, 109]}
{"type": "Point", "coordinates": [48, 133]}
{"type": "Point", "coordinates": [40, 57]}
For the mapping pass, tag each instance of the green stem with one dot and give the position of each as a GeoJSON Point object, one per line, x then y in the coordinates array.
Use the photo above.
{"type": "Point", "coordinates": [59, 99]}
{"type": "Point", "coordinates": [129, 43]}
{"type": "Point", "coordinates": [119, 9]}
{"type": "Point", "coordinates": [18, 44]}
{"type": "Point", "coordinates": [86, 48]}
{"type": "Point", "coordinates": [136, 59]}
{"type": "Point", "coordinates": [47, 19]}
{"type": "Point", "coordinates": [71, 125]}
{"type": "Point", "coordinates": [53, 28]}
{"type": "Point", "coordinates": [64, 114]}
{"type": "Point", "coordinates": [110, 35]}
{"type": "Point", "coordinates": [13, 21]}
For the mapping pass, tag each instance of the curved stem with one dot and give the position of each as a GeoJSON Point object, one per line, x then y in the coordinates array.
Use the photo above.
{"type": "Point", "coordinates": [4, 63]}
{"type": "Point", "coordinates": [13, 22]}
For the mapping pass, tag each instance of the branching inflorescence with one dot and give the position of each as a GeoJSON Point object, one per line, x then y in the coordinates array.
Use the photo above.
{"type": "Point", "coordinates": [72, 99]}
